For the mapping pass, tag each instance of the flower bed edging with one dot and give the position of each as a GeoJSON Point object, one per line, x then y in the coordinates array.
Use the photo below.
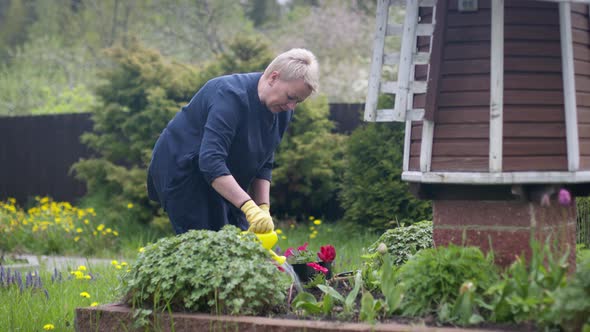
{"type": "Point", "coordinates": [118, 317]}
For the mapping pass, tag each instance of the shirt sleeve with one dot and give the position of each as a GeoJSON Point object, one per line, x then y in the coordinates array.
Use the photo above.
{"type": "Point", "coordinates": [220, 128]}
{"type": "Point", "coordinates": [265, 171]}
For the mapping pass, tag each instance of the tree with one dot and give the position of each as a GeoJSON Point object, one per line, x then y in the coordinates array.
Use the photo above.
{"type": "Point", "coordinates": [309, 163]}
{"type": "Point", "coordinates": [194, 30]}
{"type": "Point", "coordinates": [373, 193]}
{"type": "Point", "coordinates": [140, 95]}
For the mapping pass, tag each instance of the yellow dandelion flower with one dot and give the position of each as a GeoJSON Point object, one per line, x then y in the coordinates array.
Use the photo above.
{"type": "Point", "coordinates": [311, 228]}
{"type": "Point", "coordinates": [82, 268]}
{"type": "Point", "coordinates": [86, 222]}
{"type": "Point", "coordinates": [85, 294]}
{"type": "Point", "coordinates": [279, 231]}
{"type": "Point", "coordinates": [118, 267]}
{"type": "Point", "coordinates": [95, 233]}
{"type": "Point", "coordinates": [109, 230]}
{"type": "Point", "coordinates": [115, 233]}
{"type": "Point", "coordinates": [94, 304]}
{"type": "Point", "coordinates": [44, 200]}
{"type": "Point", "coordinates": [312, 235]}
{"type": "Point", "coordinates": [130, 206]}
{"type": "Point", "coordinates": [87, 277]}
{"type": "Point", "coordinates": [311, 217]}
{"type": "Point", "coordinates": [114, 262]}
{"type": "Point", "coordinates": [283, 237]}
{"type": "Point", "coordinates": [100, 227]}
{"type": "Point", "coordinates": [76, 239]}
{"type": "Point", "coordinates": [48, 327]}
{"type": "Point", "coordinates": [142, 249]}
{"type": "Point", "coordinates": [317, 222]}
{"type": "Point", "coordinates": [124, 264]}
{"type": "Point", "coordinates": [79, 230]}
{"type": "Point", "coordinates": [78, 274]}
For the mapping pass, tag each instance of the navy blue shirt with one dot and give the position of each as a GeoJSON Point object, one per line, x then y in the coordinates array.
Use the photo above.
{"type": "Point", "coordinates": [223, 130]}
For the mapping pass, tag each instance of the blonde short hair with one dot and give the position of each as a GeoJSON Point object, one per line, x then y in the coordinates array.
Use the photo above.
{"type": "Point", "coordinates": [296, 63]}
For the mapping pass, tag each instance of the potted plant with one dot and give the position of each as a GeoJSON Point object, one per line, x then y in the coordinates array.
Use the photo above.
{"type": "Point", "coordinates": [307, 264]}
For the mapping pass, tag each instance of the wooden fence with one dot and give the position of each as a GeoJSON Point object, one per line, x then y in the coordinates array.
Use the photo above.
{"type": "Point", "coordinates": [36, 152]}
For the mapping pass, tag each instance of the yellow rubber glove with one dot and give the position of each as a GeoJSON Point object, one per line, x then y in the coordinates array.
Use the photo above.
{"type": "Point", "coordinates": [259, 220]}
{"type": "Point", "coordinates": [265, 207]}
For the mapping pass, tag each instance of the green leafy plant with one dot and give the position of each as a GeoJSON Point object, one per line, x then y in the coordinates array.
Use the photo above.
{"type": "Point", "coordinates": [310, 305]}
{"type": "Point", "coordinates": [373, 193]}
{"type": "Point", "coordinates": [370, 307]}
{"type": "Point", "coordinates": [433, 278]}
{"type": "Point", "coordinates": [223, 272]}
{"type": "Point", "coordinates": [525, 292]}
{"type": "Point", "coordinates": [309, 162]}
{"type": "Point", "coordinates": [571, 309]}
{"type": "Point", "coordinates": [400, 244]}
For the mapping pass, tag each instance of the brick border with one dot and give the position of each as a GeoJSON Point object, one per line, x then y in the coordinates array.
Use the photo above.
{"type": "Point", "coordinates": [118, 317]}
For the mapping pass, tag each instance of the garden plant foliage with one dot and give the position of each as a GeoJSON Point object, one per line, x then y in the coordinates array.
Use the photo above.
{"type": "Point", "coordinates": [400, 244]}
{"type": "Point", "coordinates": [309, 162]}
{"type": "Point", "coordinates": [432, 280]}
{"type": "Point", "coordinates": [373, 193]}
{"type": "Point", "coordinates": [224, 272]}
{"type": "Point", "coordinates": [50, 227]}
{"type": "Point", "coordinates": [572, 302]}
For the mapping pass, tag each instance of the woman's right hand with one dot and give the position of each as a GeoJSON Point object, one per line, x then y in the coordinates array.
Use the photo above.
{"type": "Point", "coordinates": [260, 221]}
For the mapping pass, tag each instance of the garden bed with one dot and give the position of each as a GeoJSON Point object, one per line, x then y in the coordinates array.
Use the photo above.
{"type": "Point", "coordinates": [119, 317]}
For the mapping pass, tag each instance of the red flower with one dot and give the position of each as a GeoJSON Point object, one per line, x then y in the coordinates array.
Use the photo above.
{"type": "Point", "coordinates": [327, 253]}
{"type": "Point", "coordinates": [318, 267]}
{"type": "Point", "coordinates": [303, 247]}
{"type": "Point", "coordinates": [289, 252]}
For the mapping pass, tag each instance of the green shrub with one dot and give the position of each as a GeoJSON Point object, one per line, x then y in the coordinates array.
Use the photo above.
{"type": "Point", "coordinates": [525, 291]}
{"type": "Point", "coordinates": [400, 243]}
{"type": "Point", "coordinates": [434, 281]}
{"type": "Point", "coordinates": [309, 163]}
{"type": "Point", "coordinates": [572, 302]}
{"type": "Point", "coordinates": [140, 94]}
{"type": "Point", "coordinates": [372, 190]}
{"type": "Point", "coordinates": [221, 272]}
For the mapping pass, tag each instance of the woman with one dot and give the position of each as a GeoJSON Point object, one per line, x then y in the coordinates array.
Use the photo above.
{"type": "Point", "coordinates": [211, 166]}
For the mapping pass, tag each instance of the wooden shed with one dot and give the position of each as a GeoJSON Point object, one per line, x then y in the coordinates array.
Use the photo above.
{"type": "Point", "coordinates": [496, 99]}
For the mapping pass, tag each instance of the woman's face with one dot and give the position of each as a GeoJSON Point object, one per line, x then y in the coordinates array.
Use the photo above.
{"type": "Point", "coordinates": [279, 95]}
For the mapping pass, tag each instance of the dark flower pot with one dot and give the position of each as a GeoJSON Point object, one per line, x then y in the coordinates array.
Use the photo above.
{"type": "Point", "coordinates": [329, 267]}
{"type": "Point", "coordinates": [304, 273]}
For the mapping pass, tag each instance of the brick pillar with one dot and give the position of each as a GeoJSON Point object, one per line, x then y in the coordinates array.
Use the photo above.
{"type": "Point", "coordinates": [507, 224]}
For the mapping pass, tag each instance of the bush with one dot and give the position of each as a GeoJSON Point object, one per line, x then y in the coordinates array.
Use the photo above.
{"type": "Point", "coordinates": [221, 272]}
{"type": "Point", "coordinates": [525, 292]}
{"type": "Point", "coordinates": [572, 302]}
{"type": "Point", "coordinates": [309, 164]}
{"type": "Point", "coordinates": [400, 243]}
{"type": "Point", "coordinates": [435, 280]}
{"type": "Point", "coordinates": [373, 193]}
{"type": "Point", "coordinates": [140, 95]}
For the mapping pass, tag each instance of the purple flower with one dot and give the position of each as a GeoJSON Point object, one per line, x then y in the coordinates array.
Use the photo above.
{"type": "Point", "coordinates": [564, 197]}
